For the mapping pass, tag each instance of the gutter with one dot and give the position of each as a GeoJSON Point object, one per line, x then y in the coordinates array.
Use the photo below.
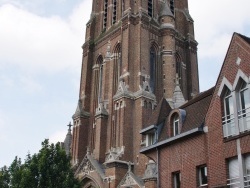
{"type": "Point", "coordinates": [173, 139]}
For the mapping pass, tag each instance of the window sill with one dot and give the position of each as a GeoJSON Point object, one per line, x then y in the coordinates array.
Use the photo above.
{"type": "Point", "coordinates": [203, 186]}
{"type": "Point", "coordinates": [230, 138]}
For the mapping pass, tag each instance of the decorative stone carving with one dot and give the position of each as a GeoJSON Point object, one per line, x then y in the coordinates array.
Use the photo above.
{"type": "Point", "coordinates": [130, 179]}
{"type": "Point", "coordinates": [114, 154]}
{"type": "Point", "coordinates": [108, 51]}
{"type": "Point", "coordinates": [146, 92]}
{"type": "Point", "coordinates": [85, 167]}
{"type": "Point", "coordinates": [101, 110]}
{"type": "Point", "coordinates": [151, 171]}
{"type": "Point", "coordinates": [123, 91]}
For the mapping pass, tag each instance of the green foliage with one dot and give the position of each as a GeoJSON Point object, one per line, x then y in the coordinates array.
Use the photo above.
{"type": "Point", "coordinates": [50, 168]}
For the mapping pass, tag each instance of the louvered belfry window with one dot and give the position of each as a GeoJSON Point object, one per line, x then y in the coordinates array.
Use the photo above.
{"type": "Point", "coordinates": [105, 16]}
{"type": "Point", "coordinates": [150, 8]}
{"type": "Point", "coordinates": [114, 11]}
{"type": "Point", "coordinates": [172, 6]}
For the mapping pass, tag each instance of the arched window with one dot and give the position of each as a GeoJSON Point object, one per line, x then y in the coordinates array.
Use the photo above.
{"type": "Point", "coordinates": [244, 107]}
{"type": "Point", "coordinates": [105, 15]}
{"type": "Point", "coordinates": [150, 8]}
{"type": "Point", "coordinates": [117, 66]}
{"type": "Point", "coordinates": [99, 79]}
{"type": "Point", "coordinates": [114, 12]}
{"type": "Point", "coordinates": [152, 67]}
{"type": "Point", "coordinates": [178, 65]}
{"type": "Point", "coordinates": [228, 119]}
{"type": "Point", "coordinates": [172, 6]}
{"type": "Point", "coordinates": [176, 128]}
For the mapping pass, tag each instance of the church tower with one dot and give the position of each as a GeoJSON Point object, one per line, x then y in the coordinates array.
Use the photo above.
{"type": "Point", "coordinates": [134, 52]}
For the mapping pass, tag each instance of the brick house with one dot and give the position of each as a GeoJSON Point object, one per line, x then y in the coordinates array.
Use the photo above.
{"type": "Point", "coordinates": [205, 141]}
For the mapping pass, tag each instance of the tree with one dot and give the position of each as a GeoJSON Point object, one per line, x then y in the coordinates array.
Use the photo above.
{"type": "Point", "coordinates": [4, 177]}
{"type": "Point", "coordinates": [50, 168]}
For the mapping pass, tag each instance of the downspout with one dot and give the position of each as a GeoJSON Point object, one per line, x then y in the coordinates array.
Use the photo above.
{"type": "Point", "coordinates": [158, 171]}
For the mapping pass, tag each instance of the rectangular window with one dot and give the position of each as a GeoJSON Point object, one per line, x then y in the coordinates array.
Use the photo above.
{"type": "Point", "coordinates": [233, 172]}
{"type": "Point", "coordinates": [247, 170]}
{"type": "Point", "coordinates": [176, 125]}
{"type": "Point", "coordinates": [202, 173]}
{"type": "Point", "coordinates": [244, 108]}
{"type": "Point", "coordinates": [176, 180]}
{"type": "Point", "coordinates": [228, 119]}
{"type": "Point", "coordinates": [150, 139]}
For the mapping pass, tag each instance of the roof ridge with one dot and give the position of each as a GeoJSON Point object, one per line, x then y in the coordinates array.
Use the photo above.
{"type": "Point", "coordinates": [199, 97]}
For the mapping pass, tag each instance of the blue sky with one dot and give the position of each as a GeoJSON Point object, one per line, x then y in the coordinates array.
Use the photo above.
{"type": "Point", "coordinates": [40, 61]}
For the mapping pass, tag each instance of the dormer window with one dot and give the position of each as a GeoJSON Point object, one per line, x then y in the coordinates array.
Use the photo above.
{"type": "Point", "coordinates": [150, 139]}
{"type": "Point", "coordinates": [150, 134]}
{"type": "Point", "coordinates": [176, 122]}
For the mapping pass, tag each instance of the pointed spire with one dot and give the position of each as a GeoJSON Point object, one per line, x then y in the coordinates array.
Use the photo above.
{"type": "Point", "coordinates": [165, 10]}
{"type": "Point", "coordinates": [68, 140]}
{"type": "Point", "coordinates": [79, 111]}
{"type": "Point", "coordinates": [178, 98]}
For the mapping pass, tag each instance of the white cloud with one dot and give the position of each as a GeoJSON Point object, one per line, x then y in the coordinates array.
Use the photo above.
{"type": "Point", "coordinates": [215, 21]}
{"type": "Point", "coordinates": [38, 43]}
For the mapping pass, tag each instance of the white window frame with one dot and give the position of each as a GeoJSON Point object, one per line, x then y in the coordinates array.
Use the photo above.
{"type": "Point", "coordinates": [200, 169]}
{"type": "Point", "coordinates": [247, 170]}
{"type": "Point", "coordinates": [176, 125]}
{"type": "Point", "coordinates": [236, 126]}
{"type": "Point", "coordinates": [234, 173]}
{"type": "Point", "coordinates": [244, 111]}
{"type": "Point", "coordinates": [228, 121]}
{"type": "Point", "coordinates": [150, 139]}
{"type": "Point", "coordinates": [176, 182]}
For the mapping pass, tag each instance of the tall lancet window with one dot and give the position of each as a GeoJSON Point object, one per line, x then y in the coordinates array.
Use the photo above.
{"type": "Point", "coordinates": [114, 18]}
{"type": "Point", "coordinates": [178, 67]}
{"type": "Point", "coordinates": [105, 15]}
{"type": "Point", "coordinates": [100, 84]}
{"type": "Point", "coordinates": [152, 65]}
{"type": "Point", "coordinates": [117, 66]}
{"type": "Point", "coordinates": [150, 8]}
{"type": "Point", "coordinates": [172, 6]}
{"type": "Point", "coordinates": [99, 79]}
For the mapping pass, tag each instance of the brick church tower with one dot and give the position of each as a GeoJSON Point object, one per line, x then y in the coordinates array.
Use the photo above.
{"type": "Point", "coordinates": [136, 53]}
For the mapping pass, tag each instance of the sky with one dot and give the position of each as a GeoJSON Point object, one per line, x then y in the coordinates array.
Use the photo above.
{"type": "Point", "coordinates": [40, 62]}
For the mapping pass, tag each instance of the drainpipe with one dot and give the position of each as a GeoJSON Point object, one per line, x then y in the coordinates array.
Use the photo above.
{"type": "Point", "coordinates": [158, 171]}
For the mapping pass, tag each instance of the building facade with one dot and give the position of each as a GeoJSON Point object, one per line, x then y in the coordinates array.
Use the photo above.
{"type": "Point", "coordinates": [137, 56]}
{"type": "Point", "coordinates": [205, 142]}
